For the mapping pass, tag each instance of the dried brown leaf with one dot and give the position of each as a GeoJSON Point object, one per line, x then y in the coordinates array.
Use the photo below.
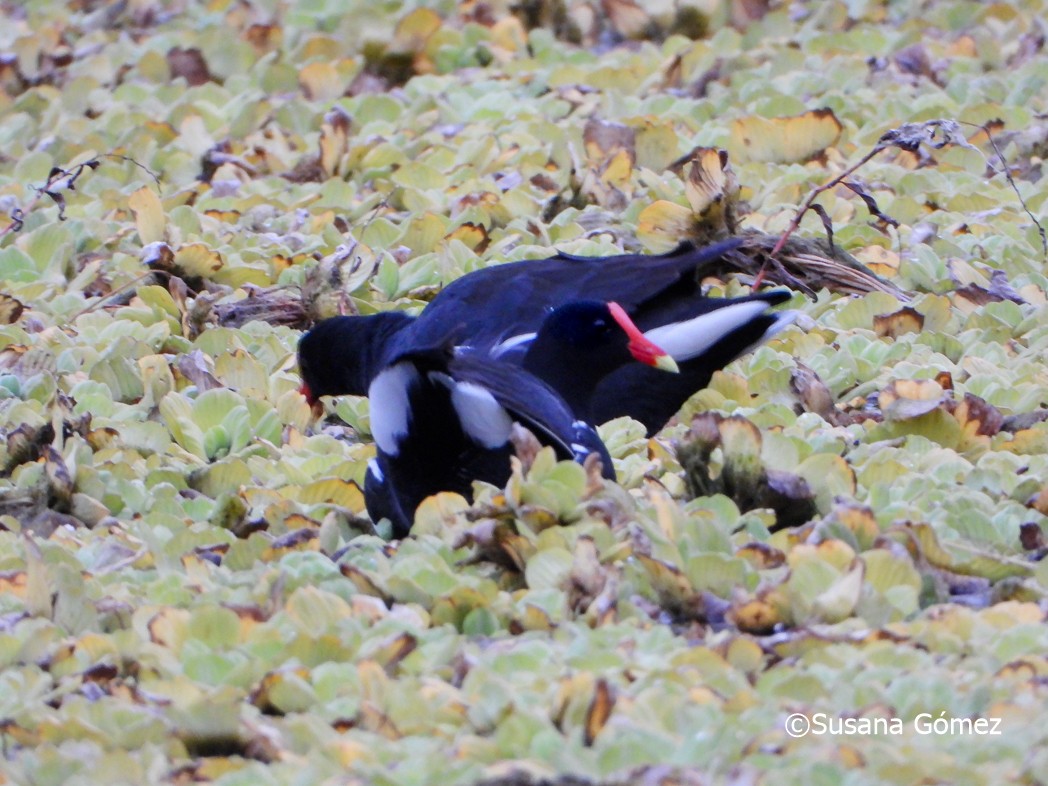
{"type": "Point", "coordinates": [188, 64]}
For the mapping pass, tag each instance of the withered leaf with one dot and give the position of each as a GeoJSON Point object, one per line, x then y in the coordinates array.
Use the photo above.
{"type": "Point", "coordinates": [871, 205]}
{"type": "Point", "coordinates": [264, 37]}
{"type": "Point", "coordinates": [391, 652]}
{"type": "Point", "coordinates": [761, 555]}
{"type": "Point", "coordinates": [604, 138]}
{"type": "Point", "coordinates": [1038, 502]}
{"type": "Point", "coordinates": [905, 320]}
{"type": "Point", "coordinates": [710, 182]}
{"type": "Point", "coordinates": [790, 496]}
{"type": "Point", "coordinates": [188, 64]}
{"type": "Point", "coordinates": [198, 369]}
{"type": "Point", "coordinates": [976, 415]}
{"type": "Point", "coordinates": [599, 710]}
{"type": "Point", "coordinates": [526, 445]}
{"type": "Point", "coordinates": [999, 289]}
{"type": "Point", "coordinates": [815, 396]}
{"type": "Point", "coordinates": [907, 399]}
{"type": "Point", "coordinates": [587, 577]}
{"type": "Point", "coordinates": [628, 18]}
{"type": "Point", "coordinates": [1031, 536]}
{"type": "Point", "coordinates": [11, 309]}
{"type": "Point", "coordinates": [59, 481]}
{"type": "Point", "coordinates": [827, 222]}
{"type": "Point", "coordinates": [296, 540]}
{"type": "Point", "coordinates": [744, 12]}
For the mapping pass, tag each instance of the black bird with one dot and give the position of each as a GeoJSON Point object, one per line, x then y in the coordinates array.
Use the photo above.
{"type": "Point", "coordinates": [710, 334]}
{"type": "Point", "coordinates": [441, 417]}
{"type": "Point", "coordinates": [702, 336]}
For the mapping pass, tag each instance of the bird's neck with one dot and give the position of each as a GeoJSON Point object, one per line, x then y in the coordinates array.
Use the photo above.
{"type": "Point", "coordinates": [378, 343]}
{"type": "Point", "coordinates": [573, 377]}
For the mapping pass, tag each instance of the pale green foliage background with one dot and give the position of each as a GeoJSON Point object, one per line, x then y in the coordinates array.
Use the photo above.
{"type": "Point", "coordinates": [185, 592]}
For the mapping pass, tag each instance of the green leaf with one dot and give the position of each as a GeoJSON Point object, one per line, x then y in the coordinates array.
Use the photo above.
{"type": "Point", "coordinates": [17, 266]}
{"type": "Point", "coordinates": [549, 569]}
{"type": "Point", "coordinates": [177, 413]}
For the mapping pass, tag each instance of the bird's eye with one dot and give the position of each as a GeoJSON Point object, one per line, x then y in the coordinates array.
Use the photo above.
{"type": "Point", "coordinates": [601, 323]}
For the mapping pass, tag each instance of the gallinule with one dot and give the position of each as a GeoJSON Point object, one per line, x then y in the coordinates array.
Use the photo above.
{"type": "Point", "coordinates": [441, 417]}
{"type": "Point", "coordinates": [716, 332]}
{"type": "Point", "coordinates": [500, 308]}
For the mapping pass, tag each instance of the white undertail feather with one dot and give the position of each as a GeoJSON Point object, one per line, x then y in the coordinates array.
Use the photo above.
{"type": "Point", "coordinates": [390, 407]}
{"type": "Point", "coordinates": [783, 319]}
{"type": "Point", "coordinates": [483, 419]}
{"type": "Point", "coordinates": [692, 337]}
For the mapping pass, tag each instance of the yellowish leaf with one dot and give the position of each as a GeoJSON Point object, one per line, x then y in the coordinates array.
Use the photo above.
{"type": "Point", "coordinates": [334, 135]}
{"type": "Point", "coordinates": [880, 260]}
{"type": "Point", "coordinates": [414, 30]}
{"type": "Point", "coordinates": [617, 171]}
{"type": "Point", "coordinates": [509, 35]}
{"type": "Point", "coordinates": [472, 236]}
{"type": "Point", "coordinates": [662, 225]}
{"type": "Point", "coordinates": [149, 215]}
{"type": "Point", "coordinates": [755, 616]}
{"type": "Point", "coordinates": [321, 81]}
{"type": "Point", "coordinates": [333, 491]}
{"type": "Point", "coordinates": [784, 139]}
{"type": "Point", "coordinates": [197, 259]}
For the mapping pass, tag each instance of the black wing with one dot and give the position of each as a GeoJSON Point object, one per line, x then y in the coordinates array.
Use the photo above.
{"type": "Point", "coordinates": [495, 303]}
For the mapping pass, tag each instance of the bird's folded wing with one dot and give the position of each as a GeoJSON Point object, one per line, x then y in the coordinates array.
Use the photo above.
{"type": "Point", "coordinates": [496, 303]}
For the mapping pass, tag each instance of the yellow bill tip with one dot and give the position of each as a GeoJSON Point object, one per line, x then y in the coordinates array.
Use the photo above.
{"type": "Point", "coordinates": [665, 362]}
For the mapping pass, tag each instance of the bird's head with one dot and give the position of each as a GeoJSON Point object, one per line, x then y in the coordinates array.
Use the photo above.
{"type": "Point", "coordinates": [595, 332]}
{"type": "Point", "coordinates": [341, 355]}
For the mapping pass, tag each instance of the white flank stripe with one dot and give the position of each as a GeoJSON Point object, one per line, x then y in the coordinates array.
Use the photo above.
{"type": "Point", "coordinates": [690, 338]}
{"type": "Point", "coordinates": [375, 470]}
{"type": "Point", "coordinates": [390, 408]}
{"type": "Point", "coordinates": [483, 419]}
{"type": "Point", "coordinates": [513, 342]}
